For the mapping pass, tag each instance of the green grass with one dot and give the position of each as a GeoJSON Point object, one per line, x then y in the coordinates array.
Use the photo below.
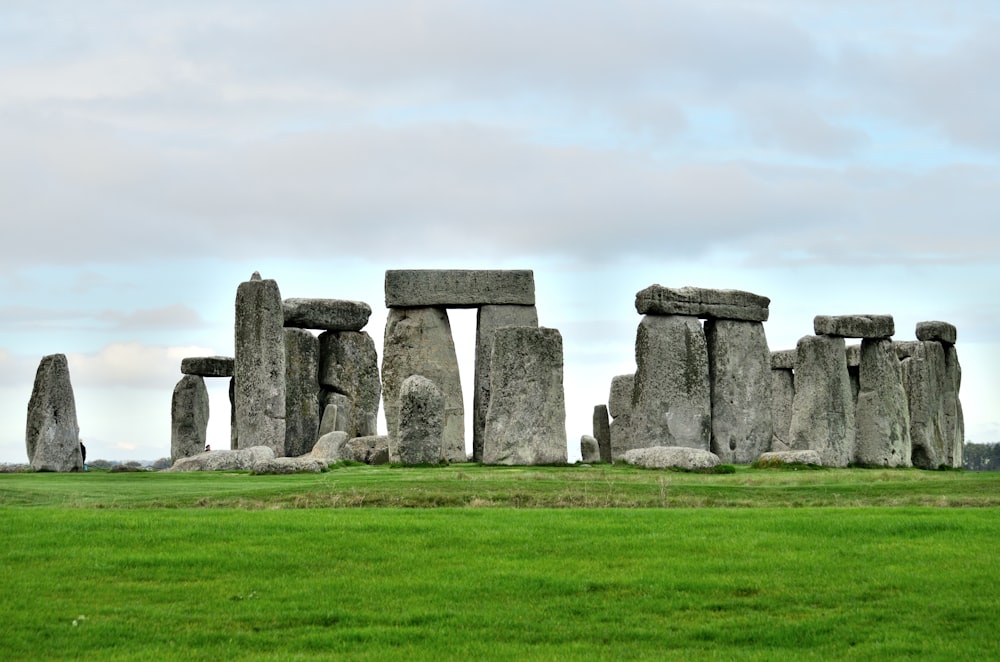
{"type": "Point", "coordinates": [273, 572]}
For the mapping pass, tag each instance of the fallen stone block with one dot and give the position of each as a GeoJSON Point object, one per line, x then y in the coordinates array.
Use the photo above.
{"type": "Point", "coordinates": [702, 303]}
{"type": "Point", "coordinates": [854, 326]}
{"type": "Point", "coordinates": [224, 460]}
{"type": "Point", "coordinates": [326, 314]}
{"type": "Point", "coordinates": [370, 450]}
{"type": "Point", "coordinates": [672, 457]}
{"type": "Point", "coordinates": [939, 331]}
{"type": "Point", "coordinates": [789, 457]}
{"type": "Point", "coordinates": [331, 447]}
{"type": "Point", "coordinates": [289, 465]}
{"type": "Point", "coordinates": [208, 366]}
{"type": "Point", "coordinates": [458, 288]}
{"type": "Point", "coordinates": [589, 450]}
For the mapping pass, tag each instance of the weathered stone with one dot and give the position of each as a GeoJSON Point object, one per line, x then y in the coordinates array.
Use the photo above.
{"type": "Point", "coordinates": [289, 465]}
{"type": "Point", "coordinates": [823, 409]}
{"type": "Point", "coordinates": [739, 368]}
{"type": "Point", "coordinates": [418, 341]}
{"type": "Point", "coordinates": [939, 331]}
{"type": "Point", "coordinates": [188, 417]}
{"type": "Point", "coordinates": [783, 359]}
{"type": "Point", "coordinates": [330, 447]}
{"type": "Point", "coordinates": [882, 418]}
{"type": "Point", "coordinates": [488, 320]}
{"type": "Point", "coordinates": [672, 398]}
{"type": "Point", "coordinates": [224, 460]}
{"type": "Point", "coordinates": [854, 326]}
{"type": "Point", "coordinates": [208, 366]}
{"type": "Point", "coordinates": [341, 415]}
{"type": "Point", "coordinates": [703, 303]}
{"type": "Point", "coordinates": [589, 450]}
{"type": "Point", "coordinates": [370, 450]}
{"type": "Point", "coordinates": [421, 421]}
{"type": "Point", "coordinates": [458, 288]}
{"type": "Point", "coordinates": [853, 356]}
{"type": "Point", "coordinates": [52, 434]}
{"type": "Point", "coordinates": [232, 414]}
{"type": "Point", "coordinates": [326, 314]}
{"type": "Point", "coordinates": [620, 410]}
{"type": "Point", "coordinates": [526, 420]}
{"type": "Point", "coordinates": [782, 397]}
{"type": "Point", "coordinates": [924, 372]}
{"type": "Point", "coordinates": [260, 366]}
{"type": "Point", "coordinates": [602, 432]}
{"type": "Point", "coordinates": [790, 457]}
{"type": "Point", "coordinates": [349, 365]}
{"type": "Point", "coordinates": [328, 421]}
{"type": "Point", "coordinates": [301, 391]}
{"type": "Point", "coordinates": [954, 423]}
{"type": "Point", "coordinates": [672, 457]}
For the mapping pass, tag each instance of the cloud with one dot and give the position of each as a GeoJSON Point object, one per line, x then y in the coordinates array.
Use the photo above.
{"type": "Point", "coordinates": [176, 316]}
{"type": "Point", "coordinates": [131, 365]}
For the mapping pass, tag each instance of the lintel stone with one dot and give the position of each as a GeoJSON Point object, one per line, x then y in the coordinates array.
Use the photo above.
{"type": "Point", "coordinates": [458, 288]}
{"type": "Point", "coordinates": [854, 326]}
{"type": "Point", "coordinates": [783, 359]}
{"type": "Point", "coordinates": [208, 366]}
{"type": "Point", "coordinates": [326, 314]}
{"type": "Point", "coordinates": [939, 331]}
{"type": "Point", "coordinates": [702, 303]}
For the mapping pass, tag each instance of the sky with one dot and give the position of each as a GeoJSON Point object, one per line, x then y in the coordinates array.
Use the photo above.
{"type": "Point", "coordinates": [838, 158]}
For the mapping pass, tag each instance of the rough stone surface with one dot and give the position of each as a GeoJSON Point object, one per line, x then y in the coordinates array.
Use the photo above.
{"type": "Point", "coordinates": [418, 341]}
{"type": "Point", "coordinates": [52, 434]}
{"type": "Point", "coordinates": [421, 421]}
{"type": "Point", "coordinates": [782, 397]}
{"type": "Point", "coordinates": [341, 415]}
{"type": "Point", "coordinates": [289, 465]}
{"type": "Point", "coordinates": [924, 370]}
{"type": "Point", "coordinates": [260, 366]}
{"type": "Point", "coordinates": [672, 457]}
{"type": "Point", "coordinates": [602, 432]}
{"type": "Point", "coordinates": [882, 418]}
{"type": "Point", "coordinates": [488, 320]}
{"type": "Point", "coordinates": [349, 365]}
{"type": "Point", "coordinates": [590, 452]}
{"type": "Point", "coordinates": [458, 288]}
{"type": "Point", "coordinates": [853, 356]}
{"type": "Point", "coordinates": [790, 457]}
{"type": "Point", "coordinates": [783, 359]}
{"type": "Point", "coordinates": [301, 391]}
{"type": "Point", "coordinates": [370, 450]}
{"type": "Point", "coordinates": [224, 460]}
{"type": "Point", "coordinates": [620, 410]}
{"type": "Point", "coordinates": [823, 409]}
{"type": "Point", "coordinates": [326, 314]}
{"type": "Point", "coordinates": [526, 421]}
{"type": "Point", "coordinates": [188, 417]}
{"type": "Point", "coordinates": [703, 303]}
{"type": "Point", "coordinates": [854, 326]}
{"type": "Point", "coordinates": [208, 366]}
{"type": "Point", "coordinates": [331, 447]}
{"type": "Point", "coordinates": [739, 368]}
{"type": "Point", "coordinates": [672, 398]}
{"type": "Point", "coordinates": [939, 331]}
{"type": "Point", "coordinates": [954, 422]}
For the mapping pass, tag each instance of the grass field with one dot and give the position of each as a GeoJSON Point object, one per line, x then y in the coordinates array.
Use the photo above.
{"type": "Point", "coordinates": [606, 563]}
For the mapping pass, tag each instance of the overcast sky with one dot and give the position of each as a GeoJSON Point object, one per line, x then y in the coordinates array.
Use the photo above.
{"type": "Point", "coordinates": [836, 157]}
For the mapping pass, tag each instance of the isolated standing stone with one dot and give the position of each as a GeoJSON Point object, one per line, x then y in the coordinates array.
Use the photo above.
{"type": "Point", "coordinates": [924, 372]}
{"type": "Point", "coordinates": [208, 366]}
{"type": "Point", "coordinates": [672, 399]}
{"type": "Point", "coordinates": [188, 417]}
{"type": "Point", "coordinates": [739, 368]}
{"type": "Point", "coordinates": [488, 320]}
{"type": "Point", "coordinates": [52, 434]}
{"type": "Point", "coordinates": [326, 314]}
{"type": "Point", "coordinates": [301, 391]}
{"type": "Point", "coordinates": [260, 366]}
{"type": "Point", "coordinates": [421, 421]}
{"type": "Point", "coordinates": [526, 421]}
{"type": "Point", "coordinates": [602, 432]}
{"type": "Point", "coordinates": [349, 365]}
{"type": "Point", "coordinates": [458, 288]}
{"type": "Point", "coordinates": [703, 303]}
{"type": "Point", "coordinates": [418, 341]}
{"type": "Point", "coordinates": [882, 416]}
{"type": "Point", "coordinates": [589, 451]}
{"type": "Point", "coordinates": [823, 409]}
{"type": "Point", "coordinates": [620, 410]}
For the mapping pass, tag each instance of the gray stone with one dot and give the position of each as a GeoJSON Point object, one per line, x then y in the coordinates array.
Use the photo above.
{"type": "Point", "coordinates": [301, 391]}
{"type": "Point", "coordinates": [672, 457]}
{"type": "Point", "coordinates": [782, 397]}
{"type": "Point", "coordinates": [924, 371]}
{"type": "Point", "coordinates": [232, 414]}
{"type": "Point", "coordinates": [341, 415]}
{"type": "Point", "coordinates": [52, 434]}
{"type": "Point", "coordinates": [224, 460]}
{"type": "Point", "coordinates": [620, 410]}
{"type": "Point", "coordinates": [488, 320]}
{"type": "Point", "coordinates": [882, 417]}
{"type": "Point", "coordinates": [370, 450]}
{"type": "Point", "coordinates": [188, 417]}
{"type": "Point", "coordinates": [823, 409]}
{"type": "Point", "coordinates": [783, 359]}
{"type": "Point", "coordinates": [458, 288]}
{"type": "Point", "coordinates": [739, 368]}
{"type": "Point", "coordinates": [331, 447]}
{"type": "Point", "coordinates": [790, 457]}
{"type": "Point", "coordinates": [954, 423]}
{"type": "Point", "coordinates": [672, 398]}
{"type": "Point", "coordinates": [289, 465]}
{"type": "Point", "coordinates": [590, 452]}
{"type": "Point", "coordinates": [260, 366]}
{"type": "Point", "coordinates": [853, 356]}
{"type": "Point", "coordinates": [418, 341]}
{"type": "Point", "coordinates": [349, 365]}
{"type": "Point", "coordinates": [854, 326]}
{"type": "Point", "coordinates": [939, 331]}
{"type": "Point", "coordinates": [208, 366]}
{"type": "Point", "coordinates": [602, 432]}
{"type": "Point", "coordinates": [326, 314]}
{"type": "Point", "coordinates": [526, 421]}
{"type": "Point", "coordinates": [328, 421]}
{"type": "Point", "coordinates": [703, 303]}
{"type": "Point", "coordinates": [421, 421]}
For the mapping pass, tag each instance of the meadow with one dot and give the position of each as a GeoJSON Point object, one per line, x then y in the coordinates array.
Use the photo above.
{"type": "Point", "coordinates": [469, 562]}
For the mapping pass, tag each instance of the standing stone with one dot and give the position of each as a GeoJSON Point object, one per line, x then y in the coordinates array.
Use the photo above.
{"type": "Point", "coordinates": [526, 421]}
{"type": "Point", "coordinates": [349, 365]}
{"type": "Point", "coordinates": [337, 412]}
{"type": "Point", "coordinates": [671, 401]}
{"type": "Point", "coordinates": [418, 341]}
{"type": "Point", "coordinates": [52, 434]}
{"type": "Point", "coordinates": [458, 288]}
{"type": "Point", "coordinates": [232, 414]}
{"type": "Point", "coordinates": [739, 368]}
{"type": "Point", "coordinates": [602, 432]}
{"type": "Point", "coordinates": [589, 451]}
{"type": "Point", "coordinates": [823, 409]}
{"type": "Point", "coordinates": [488, 320]}
{"type": "Point", "coordinates": [620, 410]}
{"type": "Point", "coordinates": [954, 423]}
{"type": "Point", "coordinates": [301, 391]}
{"type": "Point", "coordinates": [421, 421]}
{"type": "Point", "coordinates": [854, 371]}
{"type": "Point", "coordinates": [188, 417]}
{"type": "Point", "coordinates": [782, 396]}
{"type": "Point", "coordinates": [924, 372]}
{"type": "Point", "coordinates": [882, 417]}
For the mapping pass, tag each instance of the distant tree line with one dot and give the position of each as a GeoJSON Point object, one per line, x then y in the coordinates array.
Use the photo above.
{"type": "Point", "coordinates": [981, 457]}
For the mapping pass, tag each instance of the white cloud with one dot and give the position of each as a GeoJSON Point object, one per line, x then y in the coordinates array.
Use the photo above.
{"type": "Point", "coordinates": [131, 365]}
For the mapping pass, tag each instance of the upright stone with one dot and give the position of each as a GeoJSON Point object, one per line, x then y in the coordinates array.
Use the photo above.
{"type": "Point", "coordinates": [589, 450]}
{"type": "Point", "coordinates": [854, 370]}
{"type": "Point", "coordinates": [421, 421]}
{"type": "Point", "coordinates": [526, 421]}
{"type": "Point", "coordinates": [458, 288]}
{"type": "Point", "coordinates": [739, 368]}
{"type": "Point", "coordinates": [954, 422]}
{"type": "Point", "coordinates": [349, 365]}
{"type": "Point", "coordinates": [602, 433]}
{"type": "Point", "coordinates": [259, 370]}
{"type": "Point", "coordinates": [882, 416]}
{"type": "Point", "coordinates": [302, 413]}
{"type": "Point", "coordinates": [488, 320]}
{"type": "Point", "coordinates": [823, 409]}
{"type": "Point", "coordinates": [671, 401]}
{"type": "Point", "coordinates": [418, 341]}
{"type": "Point", "coordinates": [782, 396]}
{"type": "Point", "coordinates": [52, 435]}
{"type": "Point", "coordinates": [924, 372]}
{"type": "Point", "coordinates": [620, 410]}
{"type": "Point", "coordinates": [188, 417]}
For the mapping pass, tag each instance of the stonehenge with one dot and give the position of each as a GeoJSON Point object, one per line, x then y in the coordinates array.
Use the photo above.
{"type": "Point", "coordinates": [53, 435]}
